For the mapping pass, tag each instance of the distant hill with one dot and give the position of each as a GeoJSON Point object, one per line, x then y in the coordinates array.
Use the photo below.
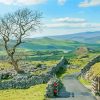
{"type": "Point", "coordinates": [85, 37]}
{"type": "Point", "coordinates": [63, 42]}
{"type": "Point", "coordinates": [46, 43]}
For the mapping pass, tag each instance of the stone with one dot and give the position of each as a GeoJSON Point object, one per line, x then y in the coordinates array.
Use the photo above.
{"type": "Point", "coordinates": [26, 80]}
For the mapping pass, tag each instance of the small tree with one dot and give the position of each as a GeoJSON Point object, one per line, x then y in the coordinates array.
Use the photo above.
{"type": "Point", "coordinates": [14, 27]}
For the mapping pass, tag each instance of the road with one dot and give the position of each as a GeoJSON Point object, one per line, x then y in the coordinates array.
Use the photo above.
{"type": "Point", "coordinates": [74, 90]}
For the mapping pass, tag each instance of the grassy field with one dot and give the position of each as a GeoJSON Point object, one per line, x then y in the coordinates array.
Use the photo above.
{"type": "Point", "coordinates": [82, 61]}
{"type": "Point", "coordinates": [84, 81]}
{"type": "Point", "coordinates": [68, 72]}
{"type": "Point", "coordinates": [33, 93]}
{"type": "Point", "coordinates": [47, 63]}
{"type": "Point", "coordinates": [96, 68]}
{"type": "Point", "coordinates": [4, 65]}
{"type": "Point", "coordinates": [94, 71]}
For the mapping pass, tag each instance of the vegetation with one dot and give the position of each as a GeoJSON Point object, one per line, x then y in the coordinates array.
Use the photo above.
{"type": "Point", "coordinates": [94, 71]}
{"type": "Point", "coordinates": [84, 81]}
{"type": "Point", "coordinates": [69, 71]}
{"type": "Point", "coordinates": [24, 94]}
{"type": "Point", "coordinates": [47, 63]}
{"type": "Point", "coordinates": [53, 87]}
{"type": "Point", "coordinates": [82, 60]}
{"type": "Point", "coordinates": [47, 58]}
{"type": "Point", "coordinates": [4, 65]}
{"type": "Point", "coordinates": [17, 25]}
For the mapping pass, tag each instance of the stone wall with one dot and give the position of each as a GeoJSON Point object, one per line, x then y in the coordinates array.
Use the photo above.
{"type": "Point", "coordinates": [96, 85]}
{"type": "Point", "coordinates": [88, 66]}
{"type": "Point", "coordinates": [27, 80]}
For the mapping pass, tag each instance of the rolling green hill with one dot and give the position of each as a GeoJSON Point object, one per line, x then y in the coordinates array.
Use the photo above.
{"type": "Point", "coordinates": [53, 44]}
{"type": "Point", "coordinates": [62, 42]}
{"type": "Point", "coordinates": [46, 43]}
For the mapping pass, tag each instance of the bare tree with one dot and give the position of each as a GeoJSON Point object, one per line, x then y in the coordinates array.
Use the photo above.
{"type": "Point", "coordinates": [14, 27]}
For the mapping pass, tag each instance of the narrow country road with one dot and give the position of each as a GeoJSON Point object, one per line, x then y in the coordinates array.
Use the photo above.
{"type": "Point", "coordinates": [74, 90]}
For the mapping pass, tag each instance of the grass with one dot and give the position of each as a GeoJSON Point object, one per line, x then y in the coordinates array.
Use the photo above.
{"type": "Point", "coordinates": [81, 62]}
{"type": "Point", "coordinates": [96, 68]}
{"type": "Point", "coordinates": [78, 62]}
{"type": "Point", "coordinates": [39, 72]}
{"type": "Point", "coordinates": [84, 81]}
{"type": "Point", "coordinates": [37, 92]}
{"type": "Point", "coordinates": [94, 71]}
{"type": "Point", "coordinates": [47, 63]}
{"type": "Point", "coordinates": [72, 70]}
{"type": "Point", "coordinates": [5, 65]}
{"type": "Point", "coordinates": [69, 71]}
{"type": "Point", "coordinates": [33, 93]}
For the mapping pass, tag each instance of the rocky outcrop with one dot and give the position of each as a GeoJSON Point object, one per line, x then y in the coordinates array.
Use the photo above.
{"type": "Point", "coordinates": [82, 50]}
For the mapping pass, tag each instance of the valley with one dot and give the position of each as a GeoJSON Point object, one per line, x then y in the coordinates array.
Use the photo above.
{"type": "Point", "coordinates": [39, 55]}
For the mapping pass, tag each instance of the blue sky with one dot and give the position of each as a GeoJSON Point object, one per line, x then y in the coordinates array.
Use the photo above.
{"type": "Point", "coordinates": [60, 16]}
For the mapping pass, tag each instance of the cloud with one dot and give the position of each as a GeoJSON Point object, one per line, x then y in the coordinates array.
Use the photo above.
{"type": "Point", "coordinates": [8, 2]}
{"type": "Point", "coordinates": [73, 23]}
{"type": "Point", "coordinates": [61, 26]}
{"type": "Point", "coordinates": [29, 2]}
{"type": "Point", "coordinates": [68, 19]}
{"type": "Point", "coordinates": [89, 3]}
{"type": "Point", "coordinates": [24, 2]}
{"type": "Point", "coordinates": [67, 25]}
{"type": "Point", "coordinates": [62, 2]}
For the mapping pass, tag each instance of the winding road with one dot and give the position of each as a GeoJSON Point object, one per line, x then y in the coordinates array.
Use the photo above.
{"type": "Point", "coordinates": [74, 90]}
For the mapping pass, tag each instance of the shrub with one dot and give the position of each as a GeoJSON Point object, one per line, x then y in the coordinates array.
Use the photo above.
{"type": "Point", "coordinates": [5, 76]}
{"type": "Point", "coordinates": [53, 87]}
{"type": "Point", "coordinates": [38, 65]}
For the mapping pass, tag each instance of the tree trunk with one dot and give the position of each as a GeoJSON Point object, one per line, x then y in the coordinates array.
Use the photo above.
{"type": "Point", "coordinates": [15, 65]}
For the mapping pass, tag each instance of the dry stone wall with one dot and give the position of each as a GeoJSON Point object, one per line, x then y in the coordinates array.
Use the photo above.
{"type": "Point", "coordinates": [27, 80]}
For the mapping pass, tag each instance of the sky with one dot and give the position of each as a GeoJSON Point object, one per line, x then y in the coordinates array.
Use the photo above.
{"type": "Point", "coordinates": [59, 16]}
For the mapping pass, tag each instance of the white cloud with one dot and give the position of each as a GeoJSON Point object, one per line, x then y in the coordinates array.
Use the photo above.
{"type": "Point", "coordinates": [88, 3]}
{"type": "Point", "coordinates": [6, 1]}
{"type": "Point", "coordinates": [28, 2]}
{"type": "Point", "coordinates": [68, 19]}
{"type": "Point", "coordinates": [61, 2]}
{"type": "Point", "coordinates": [68, 22]}
{"type": "Point", "coordinates": [73, 25]}
{"type": "Point", "coordinates": [67, 25]}
{"type": "Point", "coordinates": [24, 2]}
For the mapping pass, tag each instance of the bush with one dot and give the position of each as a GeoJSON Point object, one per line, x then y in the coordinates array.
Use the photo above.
{"type": "Point", "coordinates": [5, 76]}
{"type": "Point", "coordinates": [53, 87]}
{"type": "Point", "coordinates": [97, 94]}
{"type": "Point", "coordinates": [61, 71]}
{"type": "Point", "coordinates": [38, 65]}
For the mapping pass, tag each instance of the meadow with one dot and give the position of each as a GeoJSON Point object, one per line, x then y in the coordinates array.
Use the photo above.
{"type": "Point", "coordinates": [33, 93]}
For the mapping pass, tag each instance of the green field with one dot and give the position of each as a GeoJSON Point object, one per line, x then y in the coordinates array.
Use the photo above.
{"type": "Point", "coordinates": [48, 52]}
{"type": "Point", "coordinates": [33, 93]}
